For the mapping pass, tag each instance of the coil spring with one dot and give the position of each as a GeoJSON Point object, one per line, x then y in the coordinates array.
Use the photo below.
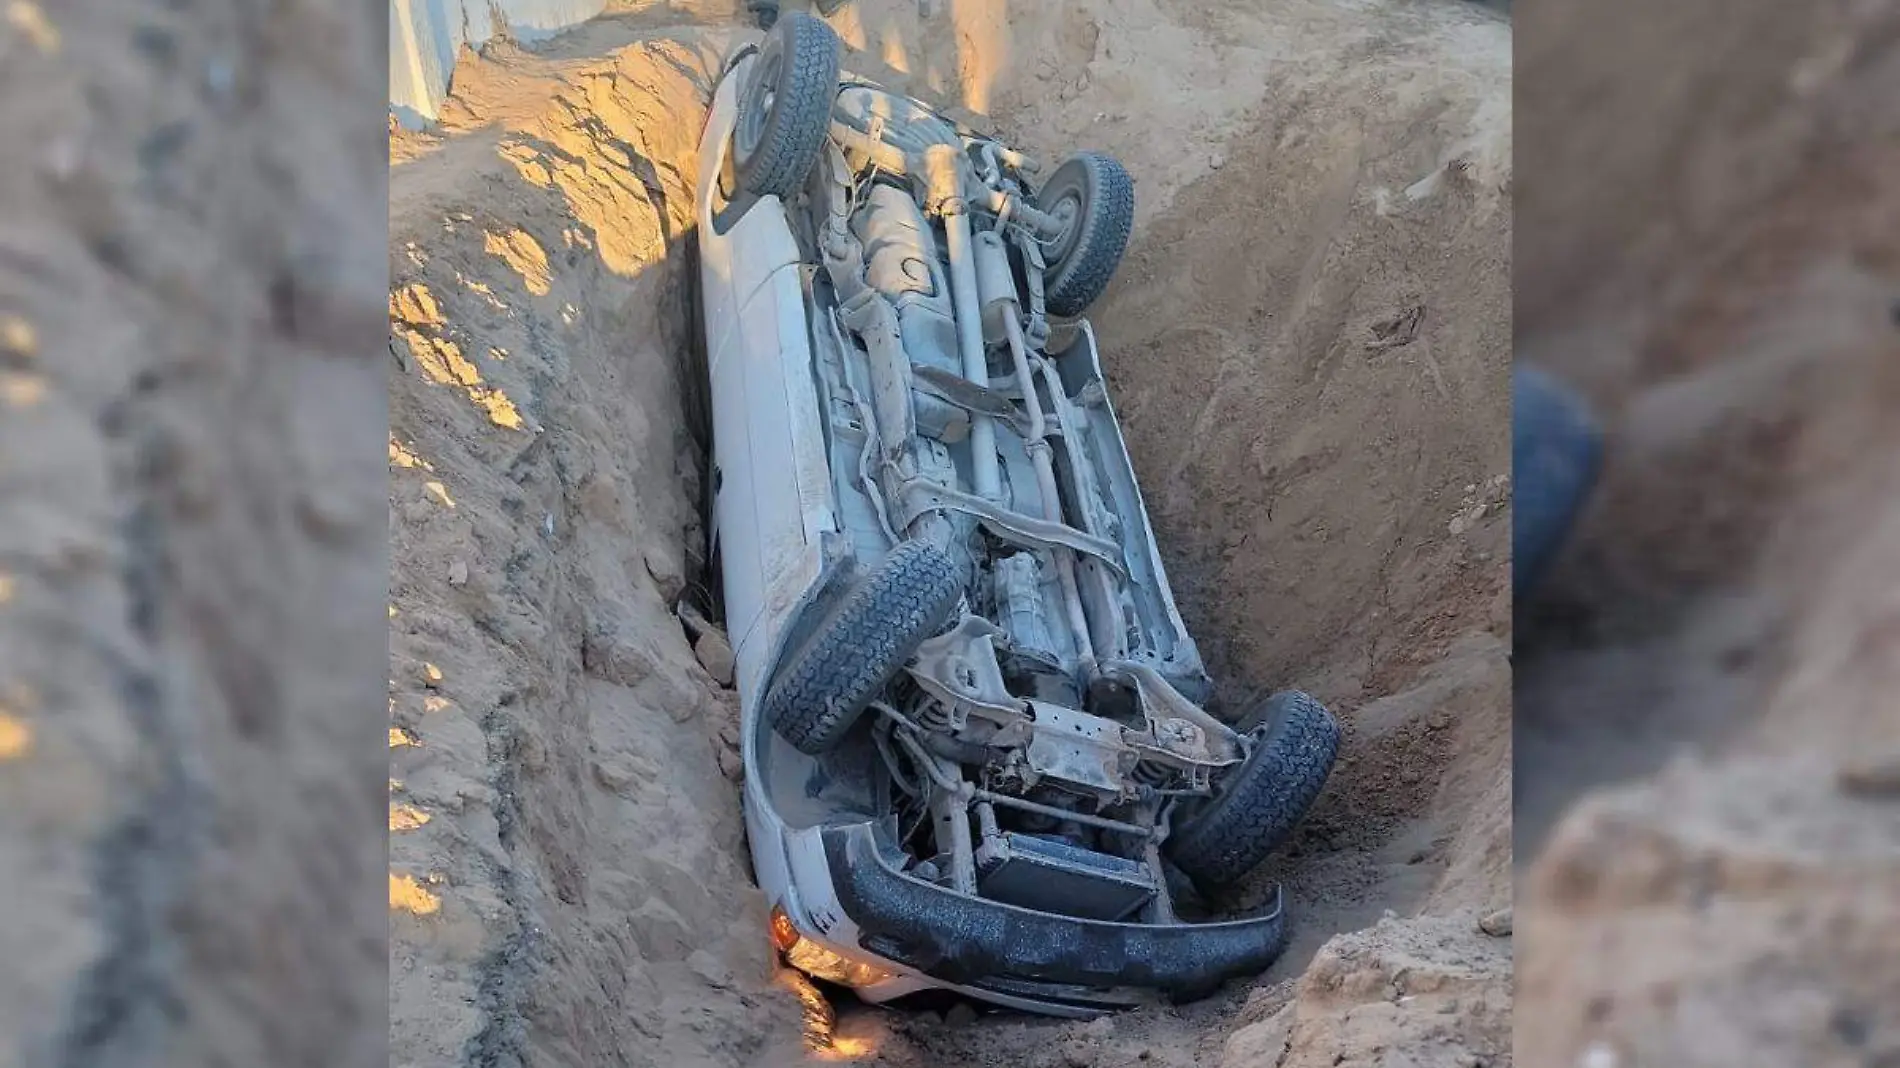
{"type": "Point", "coordinates": [1149, 773]}
{"type": "Point", "coordinates": [932, 715]}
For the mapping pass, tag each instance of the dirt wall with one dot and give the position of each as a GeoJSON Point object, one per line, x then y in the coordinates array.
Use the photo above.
{"type": "Point", "coordinates": [191, 536]}
{"type": "Point", "coordinates": [570, 853]}
{"type": "Point", "coordinates": [1706, 752]}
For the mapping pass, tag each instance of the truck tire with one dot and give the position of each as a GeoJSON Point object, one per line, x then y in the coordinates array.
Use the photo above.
{"type": "Point", "coordinates": [785, 107]}
{"type": "Point", "coordinates": [1097, 194]}
{"type": "Point", "coordinates": [1259, 803]}
{"type": "Point", "coordinates": [862, 644]}
{"type": "Point", "coordinates": [1556, 452]}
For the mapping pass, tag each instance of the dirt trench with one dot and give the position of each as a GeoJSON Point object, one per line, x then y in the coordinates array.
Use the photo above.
{"type": "Point", "coordinates": [1708, 768]}
{"type": "Point", "coordinates": [1308, 344]}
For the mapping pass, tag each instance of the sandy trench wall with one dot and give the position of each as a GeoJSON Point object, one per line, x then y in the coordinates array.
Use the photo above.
{"type": "Point", "coordinates": [425, 36]}
{"type": "Point", "coordinates": [192, 540]}
{"type": "Point", "coordinates": [565, 833]}
{"type": "Point", "coordinates": [1718, 884]}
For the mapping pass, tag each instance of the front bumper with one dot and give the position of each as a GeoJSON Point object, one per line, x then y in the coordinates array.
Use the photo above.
{"type": "Point", "coordinates": [990, 946]}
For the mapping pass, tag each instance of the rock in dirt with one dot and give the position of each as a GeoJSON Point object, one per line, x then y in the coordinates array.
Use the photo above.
{"type": "Point", "coordinates": [715, 655]}
{"type": "Point", "coordinates": [1374, 992]}
{"type": "Point", "coordinates": [1871, 776]}
{"type": "Point", "coordinates": [731, 765]}
{"type": "Point", "coordinates": [962, 1014]}
{"type": "Point", "coordinates": [1710, 894]}
{"type": "Point", "coordinates": [613, 776]}
{"type": "Point", "coordinates": [1496, 924]}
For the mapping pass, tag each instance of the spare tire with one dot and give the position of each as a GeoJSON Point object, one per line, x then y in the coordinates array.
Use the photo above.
{"type": "Point", "coordinates": [1097, 197]}
{"type": "Point", "coordinates": [862, 644]}
{"type": "Point", "coordinates": [1256, 805]}
{"type": "Point", "coordinates": [785, 107]}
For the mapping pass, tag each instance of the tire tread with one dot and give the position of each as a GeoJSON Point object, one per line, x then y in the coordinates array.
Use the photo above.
{"type": "Point", "coordinates": [801, 119]}
{"type": "Point", "coordinates": [1271, 793]}
{"type": "Point", "coordinates": [861, 647]}
{"type": "Point", "coordinates": [1084, 273]}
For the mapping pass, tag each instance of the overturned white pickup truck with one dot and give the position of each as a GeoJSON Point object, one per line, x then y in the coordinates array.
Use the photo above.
{"type": "Point", "coordinates": [975, 751]}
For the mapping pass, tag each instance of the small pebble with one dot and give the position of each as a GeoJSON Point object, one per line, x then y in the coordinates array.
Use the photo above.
{"type": "Point", "coordinates": [458, 572]}
{"type": "Point", "coordinates": [1876, 776]}
{"type": "Point", "coordinates": [1497, 924]}
{"type": "Point", "coordinates": [960, 1015]}
{"type": "Point", "coordinates": [715, 655]}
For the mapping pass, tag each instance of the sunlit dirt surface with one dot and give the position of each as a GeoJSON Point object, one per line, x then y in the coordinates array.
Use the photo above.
{"type": "Point", "coordinates": [191, 534]}
{"type": "Point", "coordinates": [568, 884]}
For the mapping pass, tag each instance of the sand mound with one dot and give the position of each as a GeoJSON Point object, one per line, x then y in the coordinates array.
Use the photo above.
{"type": "Point", "coordinates": [1425, 991]}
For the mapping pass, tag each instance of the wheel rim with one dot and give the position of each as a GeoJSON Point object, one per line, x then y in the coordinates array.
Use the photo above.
{"type": "Point", "coordinates": [1067, 210]}
{"type": "Point", "coordinates": [1193, 808]}
{"type": "Point", "coordinates": [759, 98]}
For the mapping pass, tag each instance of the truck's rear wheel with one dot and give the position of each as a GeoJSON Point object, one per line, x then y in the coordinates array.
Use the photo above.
{"type": "Point", "coordinates": [862, 645]}
{"type": "Point", "coordinates": [1257, 805]}
{"type": "Point", "coordinates": [785, 107]}
{"type": "Point", "coordinates": [1096, 196]}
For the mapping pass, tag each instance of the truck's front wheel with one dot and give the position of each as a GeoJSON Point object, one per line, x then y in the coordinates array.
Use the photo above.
{"type": "Point", "coordinates": [862, 645]}
{"type": "Point", "coordinates": [1256, 805]}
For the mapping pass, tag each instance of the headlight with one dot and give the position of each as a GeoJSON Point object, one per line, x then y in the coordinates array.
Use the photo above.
{"type": "Point", "coordinates": [817, 961]}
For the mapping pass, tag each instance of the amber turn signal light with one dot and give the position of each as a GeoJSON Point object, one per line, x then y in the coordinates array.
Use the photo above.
{"type": "Point", "coordinates": [784, 935]}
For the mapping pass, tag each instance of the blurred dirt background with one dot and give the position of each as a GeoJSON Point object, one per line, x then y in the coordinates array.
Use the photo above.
{"type": "Point", "coordinates": [191, 535]}
{"type": "Point", "coordinates": [1309, 344]}
{"type": "Point", "coordinates": [1708, 744]}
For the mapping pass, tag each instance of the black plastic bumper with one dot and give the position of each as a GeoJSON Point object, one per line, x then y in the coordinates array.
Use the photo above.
{"type": "Point", "coordinates": [973, 942]}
